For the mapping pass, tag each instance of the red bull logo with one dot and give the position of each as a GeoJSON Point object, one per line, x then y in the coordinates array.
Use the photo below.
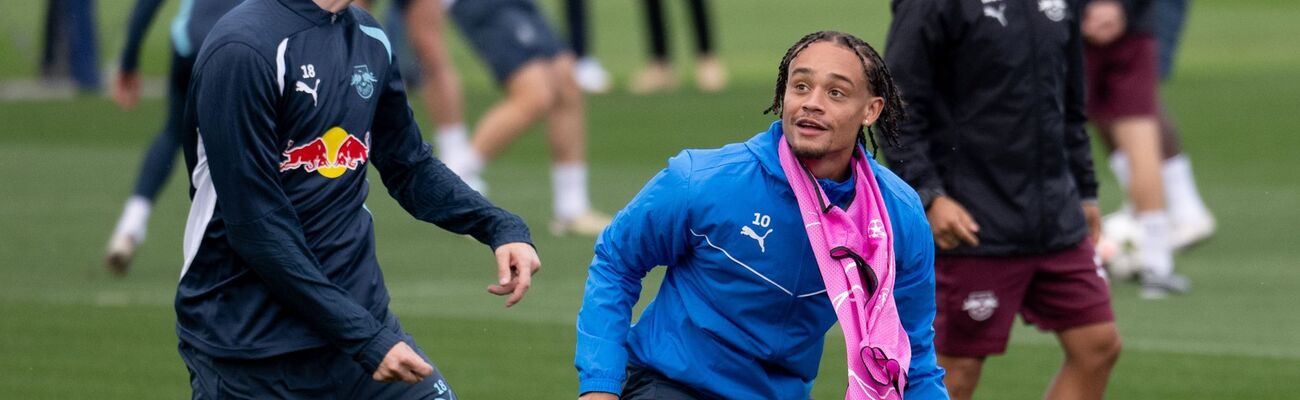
{"type": "Point", "coordinates": [330, 155]}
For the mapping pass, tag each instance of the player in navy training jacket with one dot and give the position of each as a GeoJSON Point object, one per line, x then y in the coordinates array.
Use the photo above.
{"type": "Point", "coordinates": [281, 295]}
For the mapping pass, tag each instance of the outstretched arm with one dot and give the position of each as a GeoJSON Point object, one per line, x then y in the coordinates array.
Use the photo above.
{"type": "Point", "coordinates": [649, 232]}
{"type": "Point", "coordinates": [432, 193]}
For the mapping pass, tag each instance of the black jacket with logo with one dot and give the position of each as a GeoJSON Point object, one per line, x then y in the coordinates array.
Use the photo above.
{"type": "Point", "coordinates": [994, 94]}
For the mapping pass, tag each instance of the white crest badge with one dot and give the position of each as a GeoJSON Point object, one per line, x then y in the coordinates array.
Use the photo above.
{"type": "Point", "coordinates": [1053, 9]}
{"type": "Point", "coordinates": [980, 305]}
{"type": "Point", "coordinates": [876, 229]}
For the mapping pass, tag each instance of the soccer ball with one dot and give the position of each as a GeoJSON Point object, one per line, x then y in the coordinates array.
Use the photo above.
{"type": "Point", "coordinates": [1117, 248]}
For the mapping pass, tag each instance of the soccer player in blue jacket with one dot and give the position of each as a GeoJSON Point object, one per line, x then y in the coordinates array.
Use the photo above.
{"type": "Point", "coordinates": [188, 29]}
{"type": "Point", "coordinates": [281, 295]}
{"type": "Point", "coordinates": [742, 311]}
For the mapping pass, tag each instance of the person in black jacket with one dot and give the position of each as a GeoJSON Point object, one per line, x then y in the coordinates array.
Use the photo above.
{"type": "Point", "coordinates": [996, 147]}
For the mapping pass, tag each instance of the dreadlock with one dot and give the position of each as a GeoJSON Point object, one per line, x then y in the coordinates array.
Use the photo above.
{"type": "Point", "coordinates": [879, 82]}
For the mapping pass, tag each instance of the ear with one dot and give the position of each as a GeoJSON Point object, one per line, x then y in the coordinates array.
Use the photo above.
{"type": "Point", "coordinates": [871, 112]}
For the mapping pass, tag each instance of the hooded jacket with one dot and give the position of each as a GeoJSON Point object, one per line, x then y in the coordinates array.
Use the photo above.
{"type": "Point", "coordinates": [742, 310]}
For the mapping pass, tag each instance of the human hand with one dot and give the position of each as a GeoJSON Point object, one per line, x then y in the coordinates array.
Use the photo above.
{"type": "Point", "coordinates": [1103, 22]}
{"type": "Point", "coordinates": [951, 224]}
{"type": "Point", "coordinates": [402, 364]}
{"type": "Point", "coordinates": [1092, 214]}
{"type": "Point", "coordinates": [598, 396]}
{"type": "Point", "coordinates": [516, 264]}
{"type": "Point", "coordinates": [126, 90]}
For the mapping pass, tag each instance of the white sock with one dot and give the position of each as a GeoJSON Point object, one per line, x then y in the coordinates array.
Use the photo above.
{"type": "Point", "coordinates": [1119, 166]}
{"type": "Point", "coordinates": [453, 145]}
{"type": "Point", "coordinates": [135, 218]}
{"type": "Point", "coordinates": [1154, 250]}
{"type": "Point", "coordinates": [569, 187]}
{"type": "Point", "coordinates": [1181, 195]}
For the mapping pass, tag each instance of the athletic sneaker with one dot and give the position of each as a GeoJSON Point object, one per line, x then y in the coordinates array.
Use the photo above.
{"type": "Point", "coordinates": [590, 223]}
{"type": "Point", "coordinates": [1189, 230]}
{"type": "Point", "coordinates": [121, 249]}
{"type": "Point", "coordinates": [710, 75]}
{"type": "Point", "coordinates": [655, 77]}
{"type": "Point", "coordinates": [591, 76]}
{"type": "Point", "coordinates": [1159, 287]}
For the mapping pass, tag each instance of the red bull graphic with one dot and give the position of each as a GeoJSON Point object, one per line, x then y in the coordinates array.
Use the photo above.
{"type": "Point", "coordinates": [330, 155]}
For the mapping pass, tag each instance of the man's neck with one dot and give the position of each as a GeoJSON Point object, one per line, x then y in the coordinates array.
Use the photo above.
{"type": "Point", "coordinates": [333, 6]}
{"type": "Point", "coordinates": [832, 166]}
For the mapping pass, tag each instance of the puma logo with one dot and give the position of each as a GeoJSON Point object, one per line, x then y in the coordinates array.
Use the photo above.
{"type": "Point", "coordinates": [302, 87]}
{"type": "Point", "coordinates": [747, 231]}
{"type": "Point", "coordinates": [998, 13]}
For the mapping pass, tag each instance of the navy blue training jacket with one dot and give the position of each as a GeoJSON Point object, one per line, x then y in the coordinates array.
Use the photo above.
{"type": "Point", "coordinates": [288, 106]}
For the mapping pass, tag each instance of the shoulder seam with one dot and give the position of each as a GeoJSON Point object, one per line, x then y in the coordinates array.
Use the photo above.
{"type": "Point", "coordinates": [223, 45]}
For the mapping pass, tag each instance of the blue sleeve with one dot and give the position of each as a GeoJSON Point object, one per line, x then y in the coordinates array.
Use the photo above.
{"type": "Point", "coordinates": [235, 95]}
{"type": "Point", "coordinates": [914, 295]}
{"type": "Point", "coordinates": [649, 232]}
{"type": "Point", "coordinates": [423, 186]}
{"type": "Point", "coordinates": [141, 17]}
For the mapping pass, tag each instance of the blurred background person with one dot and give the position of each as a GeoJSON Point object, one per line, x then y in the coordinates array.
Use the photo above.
{"type": "Point", "coordinates": [1192, 221]}
{"type": "Point", "coordinates": [995, 143]}
{"type": "Point", "coordinates": [1123, 102]}
{"type": "Point", "coordinates": [658, 75]}
{"type": "Point", "coordinates": [71, 49]}
{"type": "Point", "coordinates": [424, 23]}
{"type": "Point", "coordinates": [188, 29]}
{"type": "Point", "coordinates": [536, 72]}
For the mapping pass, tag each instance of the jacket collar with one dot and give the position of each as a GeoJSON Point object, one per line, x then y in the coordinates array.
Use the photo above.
{"type": "Point", "coordinates": [313, 13]}
{"type": "Point", "coordinates": [763, 145]}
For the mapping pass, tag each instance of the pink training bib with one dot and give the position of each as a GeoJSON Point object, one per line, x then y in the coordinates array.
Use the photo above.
{"type": "Point", "coordinates": [855, 253]}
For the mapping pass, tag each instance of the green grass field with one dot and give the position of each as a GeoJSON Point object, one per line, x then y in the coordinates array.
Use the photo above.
{"type": "Point", "coordinates": [70, 330]}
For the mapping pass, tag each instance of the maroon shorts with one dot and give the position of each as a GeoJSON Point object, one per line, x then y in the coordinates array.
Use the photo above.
{"type": "Point", "coordinates": [1122, 78]}
{"type": "Point", "coordinates": [978, 297]}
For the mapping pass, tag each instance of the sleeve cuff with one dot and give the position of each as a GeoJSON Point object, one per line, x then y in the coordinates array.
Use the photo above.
{"type": "Point", "coordinates": [514, 237]}
{"type": "Point", "coordinates": [374, 351]}
{"type": "Point", "coordinates": [929, 194]}
{"type": "Point", "coordinates": [614, 386]}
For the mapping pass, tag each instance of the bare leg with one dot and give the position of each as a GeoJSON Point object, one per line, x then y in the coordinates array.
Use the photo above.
{"type": "Point", "coordinates": [566, 126]}
{"type": "Point", "coordinates": [441, 90]}
{"type": "Point", "coordinates": [1090, 353]}
{"type": "Point", "coordinates": [529, 95]}
{"type": "Point", "coordinates": [962, 375]}
{"type": "Point", "coordinates": [1139, 139]}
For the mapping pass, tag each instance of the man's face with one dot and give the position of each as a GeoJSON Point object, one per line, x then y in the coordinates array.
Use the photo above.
{"type": "Point", "coordinates": [826, 101]}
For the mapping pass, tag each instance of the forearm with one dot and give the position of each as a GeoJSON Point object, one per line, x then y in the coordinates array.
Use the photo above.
{"type": "Point", "coordinates": [603, 322]}
{"type": "Point", "coordinates": [141, 17]}
{"type": "Point", "coordinates": [1078, 144]}
{"type": "Point", "coordinates": [432, 193]}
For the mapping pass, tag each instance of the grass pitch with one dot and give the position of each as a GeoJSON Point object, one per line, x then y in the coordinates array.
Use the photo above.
{"type": "Point", "coordinates": [69, 330]}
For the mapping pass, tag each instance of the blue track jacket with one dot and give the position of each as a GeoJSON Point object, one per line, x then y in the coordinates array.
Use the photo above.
{"type": "Point", "coordinates": [742, 311]}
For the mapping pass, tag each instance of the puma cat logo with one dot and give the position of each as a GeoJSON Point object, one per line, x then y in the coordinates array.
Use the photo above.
{"type": "Point", "coordinates": [998, 13]}
{"type": "Point", "coordinates": [747, 231]}
{"type": "Point", "coordinates": [302, 87]}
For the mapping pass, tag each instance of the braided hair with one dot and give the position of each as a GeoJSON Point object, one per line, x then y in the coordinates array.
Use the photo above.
{"type": "Point", "coordinates": [879, 82]}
